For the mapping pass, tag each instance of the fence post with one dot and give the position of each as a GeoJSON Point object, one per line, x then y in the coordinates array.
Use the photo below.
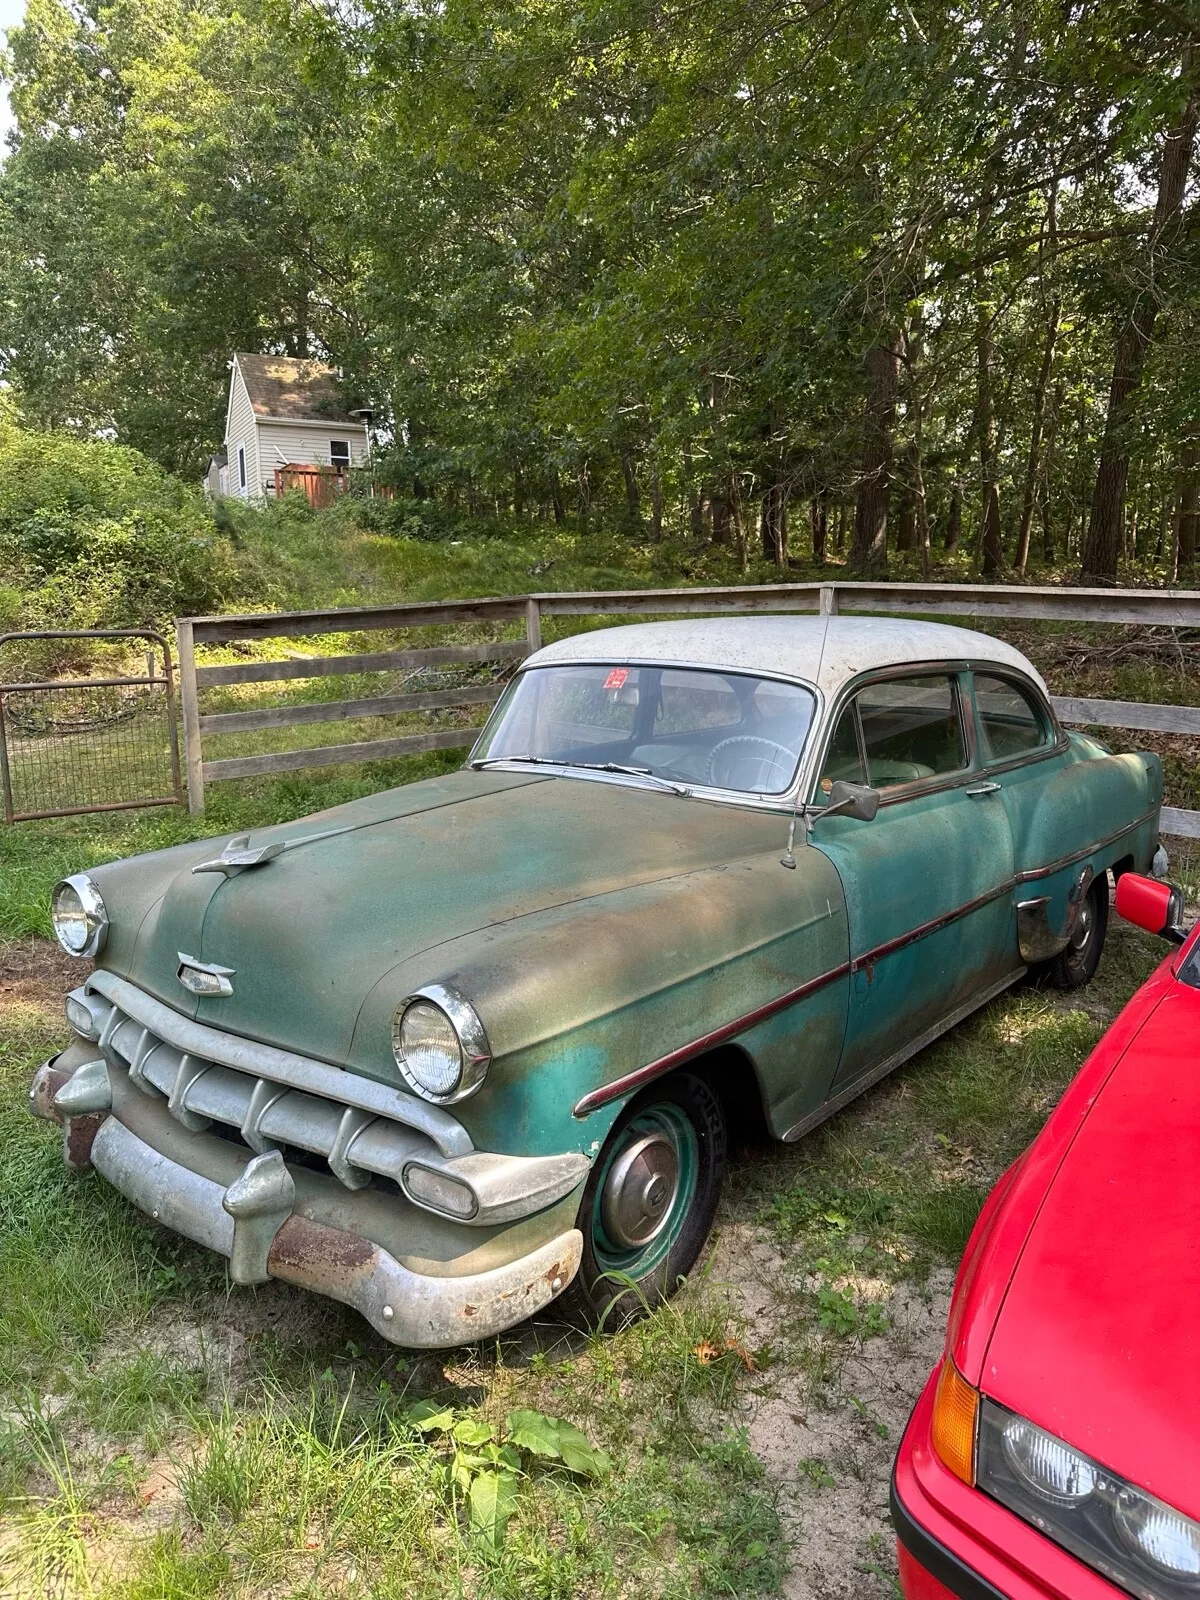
{"type": "Point", "coordinates": [829, 600]}
{"type": "Point", "coordinates": [192, 750]}
{"type": "Point", "coordinates": [533, 623]}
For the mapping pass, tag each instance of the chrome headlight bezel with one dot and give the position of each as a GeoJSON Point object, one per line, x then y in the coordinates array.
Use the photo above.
{"type": "Point", "coordinates": [474, 1050]}
{"type": "Point", "coordinates": [1097, 1527]}
{"type": "Point", "coordinates": [94, 914]}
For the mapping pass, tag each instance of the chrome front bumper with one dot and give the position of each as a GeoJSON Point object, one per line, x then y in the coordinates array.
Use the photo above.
{"type": "Point", "coordinates": [257, 1212]}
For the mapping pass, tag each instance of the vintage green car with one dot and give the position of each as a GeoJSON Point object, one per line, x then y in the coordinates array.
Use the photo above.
{"type": "Point", "coordinates": [446, 1051]}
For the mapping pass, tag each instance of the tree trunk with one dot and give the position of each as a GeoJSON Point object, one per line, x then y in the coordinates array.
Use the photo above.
{"type": "Point", "coordinates": [1101, 547]}
{"type": "Point", "coordinates": [772, 525]}
{"type": "Point", "coordinates": [906, 520]}
{"type": "Point", "coordinates": [818, 512]}
{"type": "Point", "coordinates": [991, 536]}
{"type": "Point", "coordinates": [1189, 506]}
{"type": "Point", "coordinates": [1029, 495]}
{"type": "Point", "coordinates": [656, 508]}
{"type": "Point", "coordinates": [734, 498]}
{"type": "Point", "coordinates": [954, 518]}
{"type": "Point", "coordinates": [720, 518]}
{"type": "Point", "coordinates": [518, 493]}
{"type": "Point", "coordinates": [556, 497]}
{"type": "Point", "coordinates": [633, 499]}
{"type": "Point", "coordinates": [839, 538]}
{"type": "Point", "coordinates": [1044, 489]}
{"type": "Point", "coordinates": [868, 553]}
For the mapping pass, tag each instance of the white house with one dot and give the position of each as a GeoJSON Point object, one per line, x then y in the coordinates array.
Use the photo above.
{"type": "Point", "coordinates": [283, 412]}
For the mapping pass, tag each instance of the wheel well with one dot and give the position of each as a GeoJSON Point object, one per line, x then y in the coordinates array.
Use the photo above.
{"type": "Point", "coordinates": [729, 1073]}
{"type": "Point", "coordinates": [1118, 867]}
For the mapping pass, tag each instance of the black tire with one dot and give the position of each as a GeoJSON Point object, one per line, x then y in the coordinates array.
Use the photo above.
{"type": "Point", "coordinates": [617, 1281]}
{"type": "Point", "coordinates": [1076, 965]}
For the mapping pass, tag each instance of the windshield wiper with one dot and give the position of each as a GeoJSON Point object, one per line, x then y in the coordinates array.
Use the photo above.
{"type": "Point", "coordinates": [633, 772]}
{"type": "Point", "coordinates": [585, 766]}
{"type": "Point", "coordinates": [496, 761]}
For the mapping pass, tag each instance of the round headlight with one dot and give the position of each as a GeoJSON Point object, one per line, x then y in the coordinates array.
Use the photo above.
{"type": "Point", "coordinates": [1047, 1464]}
{"type": "Point", "coordinates": [1165, 1538]}
{"type": "Point", "coordinates": [78, 916]}
{"type": "Point", "coordinates": [439, 1044]}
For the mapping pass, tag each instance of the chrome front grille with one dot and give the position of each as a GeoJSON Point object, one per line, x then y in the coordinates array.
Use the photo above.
{"type": "Point", "coordinates": [358, 1126]}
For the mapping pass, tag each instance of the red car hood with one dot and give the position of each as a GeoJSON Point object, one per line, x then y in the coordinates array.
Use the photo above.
{"type": "Point", "coordinates": [1098, 1339]}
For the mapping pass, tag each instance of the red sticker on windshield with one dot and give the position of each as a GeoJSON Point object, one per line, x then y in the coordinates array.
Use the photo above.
{"type": "Point", "coordinates": [616, 678]}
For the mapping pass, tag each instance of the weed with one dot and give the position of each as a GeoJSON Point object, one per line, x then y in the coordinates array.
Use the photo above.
{"type": "Point", "coordinates": [815, 1472]}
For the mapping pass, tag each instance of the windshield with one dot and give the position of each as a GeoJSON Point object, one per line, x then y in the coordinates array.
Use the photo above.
{"type": "Point", "coordinates": [684, 725]}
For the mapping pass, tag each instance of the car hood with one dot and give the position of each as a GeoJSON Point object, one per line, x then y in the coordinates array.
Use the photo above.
{"type": "Point", "coordinates": [1098, 1339]}
{"type": "Point", "coordinates": [366, 888]}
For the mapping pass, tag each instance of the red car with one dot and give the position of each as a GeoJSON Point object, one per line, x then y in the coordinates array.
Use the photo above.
{"type": "Point", "coordinates": [1055, 1451]}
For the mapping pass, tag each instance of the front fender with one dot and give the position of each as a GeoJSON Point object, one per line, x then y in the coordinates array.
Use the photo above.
{"type": "Point", "coordinates": [576, 997]}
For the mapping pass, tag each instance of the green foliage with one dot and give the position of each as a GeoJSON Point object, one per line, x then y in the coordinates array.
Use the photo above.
{"type": "Point", "coordinates": [623, 267]}
{"type": "Point", "coordinates": [93, 534]}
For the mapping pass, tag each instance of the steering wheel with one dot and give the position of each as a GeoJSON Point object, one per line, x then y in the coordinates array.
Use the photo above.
{"type": "Point", "coordinates": [778, 758]}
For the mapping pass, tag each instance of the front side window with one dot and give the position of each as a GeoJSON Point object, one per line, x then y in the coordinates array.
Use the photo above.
{"type": "Point", "coordinates": [911, 730]}
{"type": "Point", "coordinates": [843, 758]}
{"type": "Point", "coordinates": [1010, 725]}
{"type": "Point", "coordinates": [687, 725]}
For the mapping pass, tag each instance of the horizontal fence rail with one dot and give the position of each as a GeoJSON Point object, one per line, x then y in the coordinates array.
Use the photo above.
{"type": "Point", "coordinates": [1128, 607]}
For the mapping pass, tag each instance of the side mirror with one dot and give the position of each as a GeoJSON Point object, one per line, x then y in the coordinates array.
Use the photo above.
{"type": "Point", "coordinates": [851, 800]}
{"type": "Point", "coordinates": [1149, 904]}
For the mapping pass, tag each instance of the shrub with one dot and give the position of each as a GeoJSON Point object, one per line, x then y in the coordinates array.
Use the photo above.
{"type": "Point", "coordinates": [93, 534]}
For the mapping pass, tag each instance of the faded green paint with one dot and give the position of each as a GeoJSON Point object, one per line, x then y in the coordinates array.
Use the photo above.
{"type": "Point", "coordinates": [598, 927]}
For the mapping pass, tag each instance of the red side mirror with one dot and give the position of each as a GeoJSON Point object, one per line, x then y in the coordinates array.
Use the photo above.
{"type": "Point", "coordinates": [1149, 904]}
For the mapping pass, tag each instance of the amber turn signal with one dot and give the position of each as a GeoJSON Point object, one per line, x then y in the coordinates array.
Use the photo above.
{"type": "Point", "coordinates": [955, 1413]}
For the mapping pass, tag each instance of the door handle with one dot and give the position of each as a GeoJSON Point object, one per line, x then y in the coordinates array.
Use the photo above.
{"type": "Point", "coordinates": [983, 788]}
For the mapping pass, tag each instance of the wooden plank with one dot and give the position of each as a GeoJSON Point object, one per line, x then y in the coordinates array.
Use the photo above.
{"type": "Point", "coordinates": [380, 661]}
{"type": "Point", "coordinates": [1143, 607]}
{"type": "Point", "coordinates": [743, 598]}
{"type": "Point", "coordinates": [357, 619]}
{"type": "Point", "coordinates": [340, 710]}
{"type": "Point", "coordinates": [1177, 608]}
{"type": "Point", "coordinates": [189, 701]}
{"type": "Point", "coordinates": [1128, 714]}
{"type": "Point", "coordinates": [332, 754]}
{"type": "Point", "coordinates": [1179, 824]}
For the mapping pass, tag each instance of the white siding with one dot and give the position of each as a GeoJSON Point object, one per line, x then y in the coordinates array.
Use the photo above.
{"type": "Point", "coordinates": [241, 429]}
{"type": "Point", "coordinates": [306, 444]}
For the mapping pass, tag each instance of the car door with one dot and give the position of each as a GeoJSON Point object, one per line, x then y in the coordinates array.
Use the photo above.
{"type": "Point", "coordinates": [1021, 751]}
{"type": "Point", "coordinates": [928, 881]}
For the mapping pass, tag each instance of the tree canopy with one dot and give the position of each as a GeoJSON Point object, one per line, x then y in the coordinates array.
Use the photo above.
{"type": "Point", "coordinates": [927, 272]}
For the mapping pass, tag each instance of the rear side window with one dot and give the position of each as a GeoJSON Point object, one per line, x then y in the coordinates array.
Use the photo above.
{"type": "Point", "coordinates": [911, 730]}
{"type": "Point", "coordinates": [1010, 723]}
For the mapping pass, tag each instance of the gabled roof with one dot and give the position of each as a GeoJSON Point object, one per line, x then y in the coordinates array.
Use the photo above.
{"type": "Point", "coordinates": [291, 390]}
{"type": "Point", "coordinates": [825, 651]}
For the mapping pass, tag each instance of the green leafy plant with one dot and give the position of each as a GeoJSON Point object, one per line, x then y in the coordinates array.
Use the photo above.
{"type": "Point", "coordinates": [485, 1472]}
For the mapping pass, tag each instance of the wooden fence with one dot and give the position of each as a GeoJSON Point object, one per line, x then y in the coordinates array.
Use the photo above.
{"type": "Point", "coordinates": [968, 602]}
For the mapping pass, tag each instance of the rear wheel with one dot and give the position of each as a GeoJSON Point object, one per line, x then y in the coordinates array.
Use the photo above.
{"type": "Point", "coordinates": [650, 1202]}
{"type": "Point", "coordinates": [1076, 965]}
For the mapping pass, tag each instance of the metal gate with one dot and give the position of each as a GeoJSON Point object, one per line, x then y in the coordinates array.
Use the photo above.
{"type": "Point", "coordinates": [75, 744]}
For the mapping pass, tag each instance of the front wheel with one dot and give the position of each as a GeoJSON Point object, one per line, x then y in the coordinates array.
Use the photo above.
{"type": "Point", "coordinates": [650, 1201]}
{"type": "Point", "coordinates": [1076, 965]}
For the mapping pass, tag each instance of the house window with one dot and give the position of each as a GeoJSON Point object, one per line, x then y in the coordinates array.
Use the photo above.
{"type": "Point", "coordinates": [242, 467]}
{"type": "Point", "coordinates": [339, 454]}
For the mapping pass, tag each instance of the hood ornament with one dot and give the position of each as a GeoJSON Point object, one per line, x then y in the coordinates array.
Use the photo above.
{"type": "Point", "coordinates": [239, 854]}
{"type": "Point", "coordinates": [204, 977]}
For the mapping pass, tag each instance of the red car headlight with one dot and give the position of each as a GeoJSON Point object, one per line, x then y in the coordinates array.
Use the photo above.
{"type": "Point", "coordinates": [1141, 1544]}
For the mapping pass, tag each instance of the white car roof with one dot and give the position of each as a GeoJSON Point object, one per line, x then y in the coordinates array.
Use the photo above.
{"type": "Point", "coordinates": [825, 651]}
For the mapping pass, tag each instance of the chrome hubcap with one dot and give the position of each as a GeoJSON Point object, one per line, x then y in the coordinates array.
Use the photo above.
{"type": "Point", "coordinates": [640, 1191]}
{"type": "Point", "coordinates": [1083, 926]}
